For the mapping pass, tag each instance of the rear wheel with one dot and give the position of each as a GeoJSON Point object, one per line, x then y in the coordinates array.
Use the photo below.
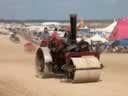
{"type": "Point", "coordinates": [41, 67]}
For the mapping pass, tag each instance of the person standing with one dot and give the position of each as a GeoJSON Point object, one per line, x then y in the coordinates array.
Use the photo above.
{"type": "Point", "coordinates": [54, 33]}
{"type": "Point", "coordinates": [45, 34]}
{"type": "Point", "coordinates": [44, 37]}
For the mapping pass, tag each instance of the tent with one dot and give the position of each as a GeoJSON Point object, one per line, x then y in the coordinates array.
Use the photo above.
{"type": "Point", "coordinates": [121, 42]}
{"type": "Point", "coordinates": [98, 38]}
{"type": "Point", "coordinates": [95, 38]}
{"type": "Point", "coordinates": [121, 30]}
{"type": "Point", "coordinates": [107, 29]}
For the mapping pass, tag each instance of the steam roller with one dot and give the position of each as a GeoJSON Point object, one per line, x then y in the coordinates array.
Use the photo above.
{"type": "Point", "coordinates": [68, 58]}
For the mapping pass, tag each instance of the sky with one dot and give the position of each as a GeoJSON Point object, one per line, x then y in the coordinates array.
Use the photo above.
{"type": "Point", "coordinates": [60, 9]}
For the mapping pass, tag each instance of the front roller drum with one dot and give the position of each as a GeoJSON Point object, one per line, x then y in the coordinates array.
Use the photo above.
{"type": "Point", "coordinates": [86, 69]}
{"type": "Point", "coordinates": [86, 76]}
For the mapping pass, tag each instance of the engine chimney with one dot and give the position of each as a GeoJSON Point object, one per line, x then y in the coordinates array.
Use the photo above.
{"type": "Point", "coordinates": [73, 21]}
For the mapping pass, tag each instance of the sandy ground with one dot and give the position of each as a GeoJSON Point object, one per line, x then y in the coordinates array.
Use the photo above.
{"type": "Point", "coordinates": [17, 76]}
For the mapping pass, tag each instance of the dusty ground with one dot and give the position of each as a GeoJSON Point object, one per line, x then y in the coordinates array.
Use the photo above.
{"type": "Point", "coordinates": [17, 76]}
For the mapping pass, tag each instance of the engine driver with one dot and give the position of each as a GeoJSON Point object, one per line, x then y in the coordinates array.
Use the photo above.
{"type": "Point", "coordinates": [83, 45]}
